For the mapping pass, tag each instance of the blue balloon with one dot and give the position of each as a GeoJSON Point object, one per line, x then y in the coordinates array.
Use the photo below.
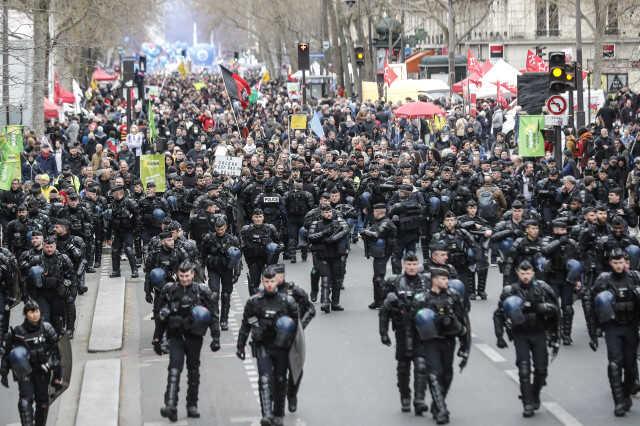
{"type": "Point", "coordinates": [603, 303]}
{"type": "Point", "coordinates": [512, 307]}
{"type": "Point", "coordinates": [286, 329]}
{"type": "Point", "coordinates": [201, 319]}
{"type": "Point", "coordinates": [426, 326]}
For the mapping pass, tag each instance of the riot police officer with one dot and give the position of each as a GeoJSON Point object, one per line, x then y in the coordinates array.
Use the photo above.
{"type": "Point", "coordinates": [504, 234]}
{"type": "Point", "coordinates": [528, 309]}
{"type": "Point", "coordinates": [400, 290]}
{"type": "Point", "coordinates": [527, 248]}
{"type": "Point", "coordinates": [439, 317]}
{"type": "Point", "coordinates": [188, 309]}
{"type": "Point", "coordinates": [96, 205]}
{"type": "Point", "coordinates": [272, 320]}
{"type": "Point", "coordinates": [50, 281]}
{"type": "Point", "coordinates": [178, 202]}
{"type": "Point", "coordinates": [297, 203]}
{"type": "Point", "coordinates": [327, 237]}
{"type": "Point", "coordinates": [613, 306]}
{"type": "Point", "coordinates": [259, 246]}
{"type": "Point", "coordinates": [123, 220]}
{"type": "Point", "coordinates": [31, 352]}
{"type": "Point", "coordinates": [17, 231]}
{"type": "Point", "coordinates": [379, 239]}
{"type": "Point", "coordinates": [220, 252]}
{"type": "Point", "coordinates": [80, 226]}
{"type": "Point", "coordinates": [312, 216]}
{"type": "Point", "coordinates": [307, 312]}
{"type": "Point", "coordinates": [481, 231]}
{"type": "Point", "coordinates": [160, 267]}
{"type": "Point", "coordinates": [271, 203]}
{"type": "Point", "coordinates": [9, 289]}
{"type": "Point", "coordinates": [406, 214]}
{"type": "Point", "coordinates": [563, 272]}
{"type": "Point", "coordinates": [153, 210]}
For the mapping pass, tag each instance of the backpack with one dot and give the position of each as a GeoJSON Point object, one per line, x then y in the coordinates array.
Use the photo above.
{"type": "Point", "coordinates": [487, 206]}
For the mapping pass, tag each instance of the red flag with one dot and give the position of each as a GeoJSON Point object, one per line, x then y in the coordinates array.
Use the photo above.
{"type": "Point", "coordinates": [473, 66]}
{"type": "Point", "coordinates": [236, 86]}
{"type": "Point", "coordinates": [535, 63]}
{"type": "Point", "coordinates": [389, 74]}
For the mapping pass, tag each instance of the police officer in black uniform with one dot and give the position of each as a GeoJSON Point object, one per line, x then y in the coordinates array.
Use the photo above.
{"type": "Point", "coordinates": [220, 252]}
{"type": "Point", "coordinates": [400, 290]}
{"type": "Point", "coordinates": [271, 318]}
{"type": "Point", "coordinates": [160, 267]}
{"type": "Point", "coordinates": [259, 246]}
{"type": "Point", "coordinates": [121, 224]}
{"type": "Point", "coordinates": [9, 289]}
{"type": "Point", "coordinates": [178, 201]}
{"type": "Point", "coordinates": [379, 239]}
{"type": "Point", "coordinates": [96, 205]}
{"type": "Point", "coordinates": [153, 209]}
{"type": "Point", "coordinates": [504, 234]}
{"type": "Point", "coordinates": [17, 231]}
{"type": "Point", "coordinates": [297, 203]}
{"type": "Point", "coordinates": [327, 237]}
{"type": "Point", "coordinates": [439, 317]}
{"type": "Point", "coordinates": [307, 312]}
{"type": "Point", "coordinates": [528, 309]}
{"type": "Point", "coordinates": [407, 215]}
{"type": "Point", "coordinates": [80, 226]}
{"type": "Point", "coordinates": [481, 231]}
{"type": "Point", "coordinates": [188, 309]}
{"type": "Point", "coordinates": [563, 272]}
{"type": "Point", "coordinates": [527, 248]}
{"type": "Point", "coordinates": [31, 352]}
{"type": "Point", "coordinates": [312, 216]}
{"type": "Point", "coordinates": [613, 306]}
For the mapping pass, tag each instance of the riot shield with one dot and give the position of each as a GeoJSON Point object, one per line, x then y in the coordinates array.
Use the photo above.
{"type": "Point", "coordinates": [66, 364]}
{"type": "Point", "coordinates": [297, 355]}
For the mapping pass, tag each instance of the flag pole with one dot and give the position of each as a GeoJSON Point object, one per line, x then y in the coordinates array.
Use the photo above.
{"type": "Point", "coordinates": [231, 103]}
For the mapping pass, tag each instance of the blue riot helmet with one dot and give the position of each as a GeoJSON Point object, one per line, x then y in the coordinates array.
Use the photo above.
{"type": "Point", "coordinates": [286, 329]}
{"type": "Point", "coordinates": [512, 307]}
{"type": "Point", "coordinates": [172, 201]}
{"type": "Point", "coordinates": [157, 278]}
{"type": "Point", "coordinates": [445, 202]}
{"type": "Point", "coordinates": [574, 270]}
{"type": "Point", "coordinates": [540, 263]}
{"type": "Point", "coordinates": [365, 199]}
{"type": "Point", "coordinates": [200, 320]}
{"type": "Point", "coordinates": [302, 236]}
{"type": "Point", "coordinates": [471, 254]}
{"type": "Point", "coordinates": [29, 235]}
{"type": "Point", "coordinates": [272, 248]}
{"type": "Point", "coordinates": [426, 324]}
{"type": "Point", "coordinates": [19, 362]}
{"type": "Point", "coordinates": [604, 302]}
{"type": "Point", "coordinates": [634, 256]}
{"type": "Point", "coordinates": [234, 256]}
{"type": "Point", "coordinates": [349, 200]}
{"type": "Point", "coordinates": [505, 246]}
{"type": "Point", "coordinates": [457, 286]}
{"type": "Point", "coordinates": [35, 275]}
{"type": "Point", "coordinates": [380, 243]}
{"type": "Point", "coordinates": [158, 215]}
{"type": "Point", "coordinates": [108, 214]}
{"type": "Point", "coordinates": [434, 206]}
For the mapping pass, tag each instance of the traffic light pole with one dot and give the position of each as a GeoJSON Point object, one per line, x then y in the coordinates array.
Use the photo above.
{"type": "Point", "coordinates": [557, 146]}
{"type": "Point", "coordinates": [304, 89]}
{"type": "Point", "coordinates": [579, 85]}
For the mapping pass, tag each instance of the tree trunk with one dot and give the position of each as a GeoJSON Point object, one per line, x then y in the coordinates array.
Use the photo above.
{"type": "Point", "coordinates": [348, 82]}
{"type": "Point", "coordinates": [335, 48]}
{"type": "Point", "coordinates": [39, 69]}
{"type": "Point", "coordinates": [598, 33]}
{"type": "Point", "coordinates": [451, 43]}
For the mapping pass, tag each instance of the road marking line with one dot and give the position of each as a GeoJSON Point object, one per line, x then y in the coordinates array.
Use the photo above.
{"type": "Point", "coordinates": [514, 375]}
{"type": "Point", "coordinates": [561, 414]}
{"type": "Point", "coordinates": [489, 352]}
{"type": "Point", "coordinates": [178, 423]}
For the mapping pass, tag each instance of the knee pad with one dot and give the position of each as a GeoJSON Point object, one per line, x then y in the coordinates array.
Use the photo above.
{"type": "Point", "coordinates": [24, 404]}
{"type": "Point", "coordinates": [524, 370]}
{"type": "Point", "coordinates": [420, 366]}
{"type": "Point", "coordinates": [403, 366]}
{"type": "Point", "coordinates": [568, 310]}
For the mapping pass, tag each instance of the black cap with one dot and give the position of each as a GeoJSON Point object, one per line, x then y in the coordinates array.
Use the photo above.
{"type": "Point", "coordinates": [257, 212]}
{"type": "Point", "coordinates": [438, 245]}
{"type": "Point", "coordinates": [531, 222]}
{"type": "Point", "coordinates": [517, 204]}
{"type": "Point", "coordinates": [164, 235]}
{"type": "Point", "coordinates": [50, 240]}
{"type": "Point", "coordinates": [117, 188]}
{"type": "Point", "coordinates": [410, 256]}
{"type": "Point", "coordinates": [279, 268]}
{"type": "Point", "coordinates": [325, 195]}
{"type": "Point", "coordinates": [405, 187]}
{"type": "Point", "coordinates": [559, 222]}
{"type": "Point", "coordinates": [325, 208]}
{"type": "Point", "coordinates": [61, 221]}
{"type": "Point", "coordinates": [472, 203]}
{"type": "Point", "coordinates": [381, 206]}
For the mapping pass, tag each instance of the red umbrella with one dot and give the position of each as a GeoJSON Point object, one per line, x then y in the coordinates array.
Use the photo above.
{"type": "Point", "coordinates": [418, 110]}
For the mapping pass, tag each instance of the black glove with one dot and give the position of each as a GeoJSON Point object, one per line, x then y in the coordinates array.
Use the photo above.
{"type": "Point", "coordinates": [464, 357]}
{"type": "Point", "coordinates": [215, 345]}
{"type": "Point", "coordinates": [593, 344]}
{"type": "Point", "coordinates": [501, 343]}
{"type": "Point", "coordinates": [157, 347]}
{"type": "Point", "coordinates": [148, 297]}
{"type": "Point", "coordinates": [240, 353]}
{"type": "Point", "coordinates": [384, 338]}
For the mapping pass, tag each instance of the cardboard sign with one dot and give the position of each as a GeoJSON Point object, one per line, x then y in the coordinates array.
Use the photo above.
{"type": "Point", "coordinates": [228, 166]}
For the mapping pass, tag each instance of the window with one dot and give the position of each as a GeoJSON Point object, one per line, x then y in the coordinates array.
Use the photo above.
{"type": "Point", "coordinates": [612, 19]}
{"type": "Point", "coordinates": [547, 18]}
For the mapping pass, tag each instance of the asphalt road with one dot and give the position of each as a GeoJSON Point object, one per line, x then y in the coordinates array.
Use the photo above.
{"type": "Point", "coordinates": [349, 377]}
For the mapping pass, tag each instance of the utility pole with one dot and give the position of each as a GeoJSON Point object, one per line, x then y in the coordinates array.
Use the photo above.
{"type": "Point", "coordinates": [579, 85]}
{"type": "Point", "coordinates": [451, 46]}
{"type": "Point", "coordinates": [5, 59]}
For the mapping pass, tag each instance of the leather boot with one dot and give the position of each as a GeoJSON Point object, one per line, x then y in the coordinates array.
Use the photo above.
{"type": "Point", "coordinates": [404, 374]}
{"type": "Point", "coordinates": [324, 295]}
{"type": "Point", "coordinates": [170, 409]}
{"type": "Point", "coordinates": [539, 380]}
{"type": "Point", "coordinates": [482, 283]}
{"type": "Point", "coordinates": [193, 385]}
{"type": "Point", "coordinates": [315, 280]}
{"type": "Point", "coordinates": [42, 412]}
{"type": "Point", "coordinates": [419, 386]}
{"type": "Point", "coordinates": [567, 321]}
{"type": "Point", "coordinates": [225, 302]}
{"type": "Point", "coordinates": [377, 293]}
{"type": "Point", "coordinates": [335, 297]}
{"type": "Point", "coordinates": [25, 409]}
{"type": "Point", "coordinates": [526, 389]}
{"type": "Point", "coordinates": [615, 380]}
{"type": "Point", "coordinates": [440, 414]}
{"type": "Point", "coordinates": [132, 262]}
{"type": "Point", "coordinates": [266, 403]}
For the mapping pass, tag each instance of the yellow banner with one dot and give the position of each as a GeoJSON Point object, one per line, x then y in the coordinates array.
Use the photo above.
{"type": "Point", "coordinates": [370, 91]}
{"type": "Point", "coordinates": [152, 170]}
{"type": "Point", "coordinates": [299, 121]}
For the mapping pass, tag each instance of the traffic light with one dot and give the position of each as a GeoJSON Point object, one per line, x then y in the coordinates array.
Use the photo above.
{"type": "Point", "coordinates": [303, 56]}
{"type": "Point", "coordinates": [562, 76]}
{"type": "Point", "coordinates": [359, 51]}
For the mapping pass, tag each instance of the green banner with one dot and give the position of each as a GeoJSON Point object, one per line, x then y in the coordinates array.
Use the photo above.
{"type": "Point", "coordinates": [530, 137]}
{"type": "Point", "coordinates": [11, 145]}
{"type": "Point", "coordinates": [152, 169]}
